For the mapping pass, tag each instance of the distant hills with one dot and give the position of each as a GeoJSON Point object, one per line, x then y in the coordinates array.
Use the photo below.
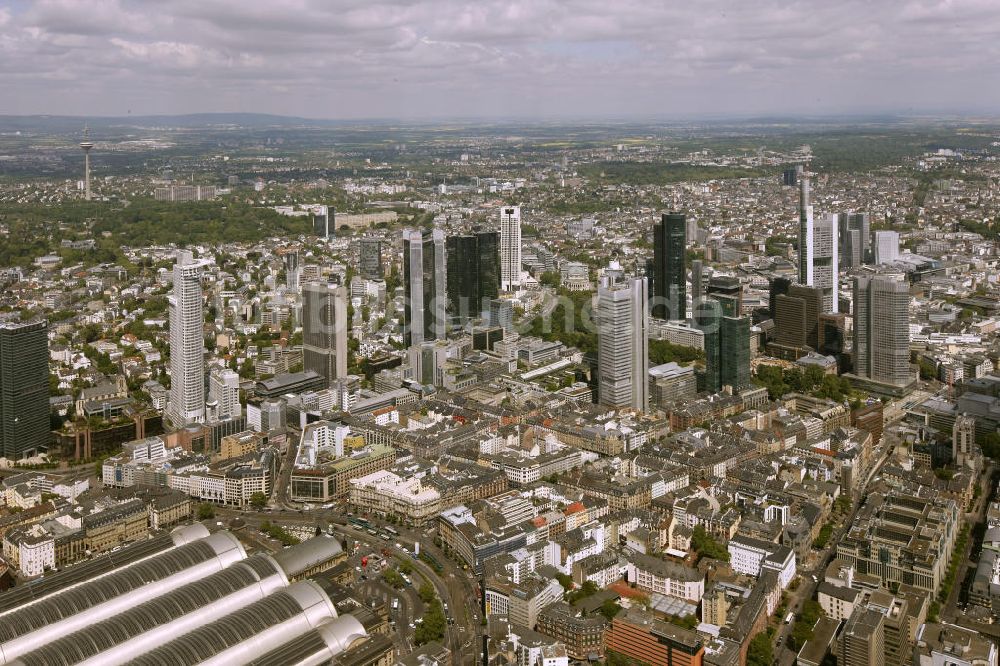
{"type": "Point", "coordinates": [60, 124]}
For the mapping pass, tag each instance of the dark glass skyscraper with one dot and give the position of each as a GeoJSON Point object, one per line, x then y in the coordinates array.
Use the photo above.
{"type": "Point", "coordinates": [324, 222]}
{"type": "Point", "coordinates": [473, 274]}
{"type": "Point", "coordinates": [779, 285]}
{"type": "Point", "coordinates": [669, 267]}
{"type": "Point", "coordinates": [734, 342]}
{"type": "Point", "coordinates": [424, 280]}
{"type": "Point", "coordinates": [324, 330]}
{"type": "Point", "coordinates": [727, 347]}
{"type": "Point", "coordinates": [24, 389]}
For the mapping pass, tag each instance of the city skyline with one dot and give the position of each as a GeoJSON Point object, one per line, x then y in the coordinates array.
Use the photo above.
{"type": "Point", "coordinates": [461, 59]}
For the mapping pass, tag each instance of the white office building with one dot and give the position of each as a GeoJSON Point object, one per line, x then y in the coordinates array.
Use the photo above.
{"type": "Point", "coordinates": [224, 391]}
{"type": "Point", "coordinates": [751, 556]}
{"type": "Point", "coordinates": [886, 247]}
{"type": "Point", "coordinates": [622, 350]}
{"type": "Point", "coordinates": [510, 248]}
{"type": "Point", "coordinates": [187, 344]}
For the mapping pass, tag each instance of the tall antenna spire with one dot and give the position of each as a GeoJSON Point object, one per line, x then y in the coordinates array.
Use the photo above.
{"type": "Point", "coordinates": [86, 145]}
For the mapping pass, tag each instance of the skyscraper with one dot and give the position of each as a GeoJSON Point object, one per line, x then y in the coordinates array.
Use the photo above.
{"type": "Point", "coordinates": [370, 259]}
{"type": "Point", "coordinates": [669, 267]}
{"type": "Point", "coordinates": [24, 389]}
{"type": "Point", "coordinates": [882, 330]}
{"type": "Point", "coordinates": [818, 249]}
{"type": "Point", "coordinates": [622, 350]}
{"type": "Point", "coordinates": [727, 347]}
{"type": "Point", "coordinates": [790, 177]}
{"type": "Point", "coordinates": [473, 274]}
{"type": "Point", "coordinates": [796, 320]}
{"type": "Point", "coordinates": [187, 343]}
{"type": "Point", "coordinates": [424, 274]}
{"type": "Point", "coordinates": [510, 248]}
{"type": "Point", "coordinates": [734, 352]}
{"type": "Point", "coordinates": [324, 330]}
{"type": "Point", "coordinates": [697, 268]}
{"type": "Point", "coordinates": [779, 285]}
{"type": "Point", "coordinates": [292, 273]}
{"type": "Point", "coordinates": [224, 389]}
{"type": "Point", "coordinates": [728, 291]}
{"type": "Point", "coordinates": [861, 223]}
{"type": "Point", "coordinates": [826, 266]}
{"type": "Point", "coordinates": [502, 314]}
{"type": "Point", "coordinates": [886, 247]}
{"type": "Point", "coordinates": [805, 232]}
{"type": "Point", "coordinates": [323, 222]}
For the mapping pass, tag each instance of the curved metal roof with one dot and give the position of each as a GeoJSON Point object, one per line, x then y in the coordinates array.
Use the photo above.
{"type": "Point", "coordinates": [308, 554]}
{"type": "Point", "coordinates": [188, 533]}
{"type": "Point", "coordinates": [28, 628]}
{"type": "Point", "coordinates": [249, 628]}
{"type": "Point", "coordinates": [317, 646]}
{"type": "Point", "coordinates": [342, 632]}
{"type": "Point", "coordinates": [84, 571]}
{"type": "Point", "coordinates": [260, 572]}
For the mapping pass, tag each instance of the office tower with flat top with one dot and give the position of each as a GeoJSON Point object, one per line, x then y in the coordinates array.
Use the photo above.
{"type": "Point", "coordinates": [324, 222]}
{"type": "Point", "coordinates": [728, 291]}
{"type": "Point", "coordinates": [670, 267]}
{"type": "Point", "coordinates": [473, 274]}
{"type": "Point", "coordinates": [370, 259]}
{"type": "Point", "coordinates": [882, 330]}
{"type": "Point", "coordinates": [886, 247]}
{"type": "Point", "coordinates": [224, 390]}
{"type": "Point", "coordinates": [324, 330]}
{"type": "Point", "coordinates": [622, 350]}
{"type": "Point", "coordinates": [510, 248]}
{"type": "Point", "coordinates": [727, 346]}
{"type": "Point", "coordinates": [424, 275]}
{"type": "Point", "coordinates": [24, 389]}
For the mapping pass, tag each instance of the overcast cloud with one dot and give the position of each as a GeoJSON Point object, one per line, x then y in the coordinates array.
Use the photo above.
{"type": "Point", "coordinates": [514, 58]}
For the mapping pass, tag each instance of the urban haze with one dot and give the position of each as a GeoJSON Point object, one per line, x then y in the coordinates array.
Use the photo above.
{"type": "Point", "coordinates": [449, 333]}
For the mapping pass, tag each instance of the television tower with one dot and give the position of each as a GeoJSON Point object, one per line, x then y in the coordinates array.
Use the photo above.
{"type": "Point", "coordinates": [86, 145]}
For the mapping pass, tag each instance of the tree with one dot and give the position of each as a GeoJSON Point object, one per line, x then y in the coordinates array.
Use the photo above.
{"type": "Point", "coordinates": [814, 376]}
{"type": "Point", "coordinates": [706, 546]}
{"type": "Point", "coordinates": [392, 578]}
{"type": "Point", "coordinates": [433, 625]}
{"type": "Point", "coordinates": [823, 537]}
{"type": "Point", "coordinates": [550, 279]}
{"type": "Point", "coordinates": [258, 500]}
{"type": "Point", "coordinates": [609, 609]}
{"type": "Point", "coordinates": [426, 592]}
{"type": "Point", "coordinates": [206, 511]}
{"type": "Point", "coordinates": [760, 652]}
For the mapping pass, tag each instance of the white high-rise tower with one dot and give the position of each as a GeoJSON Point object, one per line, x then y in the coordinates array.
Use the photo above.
{"type": "Point", "coordinates": [86, 145]}
{"type": "Point", "coordinates": [622, 349]}
{"type": "Point", "coordinates": [510, 248]}
{"type": "Point", "coordinates": [187, 343]}
{"type": "Point", "coordinates": [818, 246]}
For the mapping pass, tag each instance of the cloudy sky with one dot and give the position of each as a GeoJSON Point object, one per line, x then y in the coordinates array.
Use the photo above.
{"type": "Point", "coordinates": [496, 58]}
